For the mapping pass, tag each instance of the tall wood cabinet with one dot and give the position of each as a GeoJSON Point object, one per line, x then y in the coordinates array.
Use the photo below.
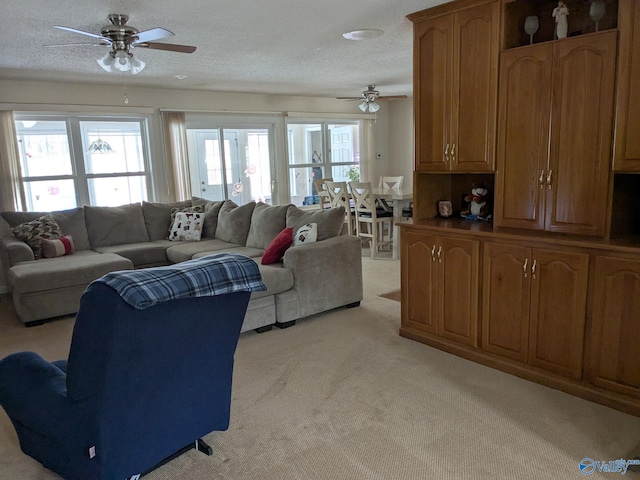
{"type": "Point", "coordinates": [455, 85]}
{"type": "Point", "coordinates": [440, 286]}
{"type": "Point", "coordinates": [534, 306]}
{"type": "Point", "coordinates": [554, 140]}
{"type": "Point", "coordinates": [626, 156]}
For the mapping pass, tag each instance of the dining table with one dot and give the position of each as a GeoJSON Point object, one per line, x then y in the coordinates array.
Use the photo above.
{"type": "Point", "coordinates": [395, 198]}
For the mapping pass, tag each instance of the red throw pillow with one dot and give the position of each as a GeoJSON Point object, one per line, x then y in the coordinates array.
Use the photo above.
{"type": "Point", "coordinates": [278, 246]}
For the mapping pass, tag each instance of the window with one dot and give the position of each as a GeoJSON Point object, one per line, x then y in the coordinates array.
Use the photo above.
{"type": "Point", "coordinates": [59, 172]}
{"type": "Point", "coordinates": [321, 150]}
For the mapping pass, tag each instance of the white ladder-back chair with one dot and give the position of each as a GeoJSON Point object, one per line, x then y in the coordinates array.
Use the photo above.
{"type": "Point", "coordinates": [321, 189]}
{"type": "Point", "coordinates": [339, 197]}
{"type": "Point", "coordinates": [371, 224]}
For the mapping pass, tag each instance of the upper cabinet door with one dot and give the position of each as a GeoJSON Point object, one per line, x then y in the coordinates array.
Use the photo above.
{"type": "Point", "coordinates": [432, 92]}
{"type": "Point", "coordinates": [523, 137]}
{"type": "Point", "coordinates": [626, 156]}
{"type": "Point", "coordinates": [475, 81]}
{"type": "Point", "coordinates": [582, 108]}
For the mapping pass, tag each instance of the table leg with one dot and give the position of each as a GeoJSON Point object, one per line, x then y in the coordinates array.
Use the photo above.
{"type": "Point", "coordinates": [397, 218]}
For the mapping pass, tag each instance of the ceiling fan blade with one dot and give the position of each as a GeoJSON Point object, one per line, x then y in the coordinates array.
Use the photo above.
{"type": "Point", "coordinates": [391, 97]}
{"type": "Point", "coordinates": [152, 34]}
{"type": "Point", "coordinates": [349, 98]}
{"type": "Point", "coordinates": [82, 32]}
{"type": "Point", "coordinates": [77, 45]}
{"type": "Point", "coordinates": [167, 46]}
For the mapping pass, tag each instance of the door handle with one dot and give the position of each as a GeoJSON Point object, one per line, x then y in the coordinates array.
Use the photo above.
{"type": "Point", "coordinates": [549, 179]}
{"type": "Point", "coordinates": [433, 254]}
{"type": "Point", "coordinates": [541, 179]}
{"type": "Point", "coordinates": [524, 267]}
{"type": "Point", "coordinates": [440, 254]}
{"type": "Point", "coordinates": [446, 153]}
{"type": "Point", "coordinates": [533, 268]}
{"type": "Point", "coordinates": [453, 152]}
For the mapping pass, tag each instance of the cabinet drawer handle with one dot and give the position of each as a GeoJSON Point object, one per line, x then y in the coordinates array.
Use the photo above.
{"type": "Point", "coordinates": [446, 153]}
{"type": "Point", "coordinates": [440, 254]}
{"type": "Point", "coordinates": [541, 179]}
{"type": "Point", "coordinates": [524, 267]}
{"type": "Point", "coordinates": [453, 152]}
{"type": "Point", "coordinates": [549, 179]}
{"type": "Point", "coordinates": [433, 254]}
{"type": "Point", "coordinates": [533, 268]}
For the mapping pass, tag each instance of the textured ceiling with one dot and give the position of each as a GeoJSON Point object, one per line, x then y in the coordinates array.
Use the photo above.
{"type": "Point", "coordinates": [292, 47]}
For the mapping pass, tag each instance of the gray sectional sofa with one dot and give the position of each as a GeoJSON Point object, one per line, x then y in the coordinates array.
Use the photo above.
{"type": "Point", "coordinates": [310, 278]}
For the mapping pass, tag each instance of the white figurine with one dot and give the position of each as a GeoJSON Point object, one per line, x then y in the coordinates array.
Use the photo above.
{"type": "Point", "coordinates": [560, 14]}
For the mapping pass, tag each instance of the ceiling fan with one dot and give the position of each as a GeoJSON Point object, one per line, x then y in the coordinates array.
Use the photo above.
{"type": "Point", "coordinates": [122, 38]}
{"type": "Point", "coordinates": [369, 99]}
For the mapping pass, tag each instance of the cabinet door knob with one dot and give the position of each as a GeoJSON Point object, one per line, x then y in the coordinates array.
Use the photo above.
{"type": "Point", "coordinates": [541, 179]}
{"type": "Point", "coordinates": [453, 152]}
{"type": "Point", "coordinates": [440, 254]}
{"type": "Point", "coordinates": [533, 268]}
{"type": "Point", "coordinates": [446, 153]}
{"type": "Point", "coordinates": [524, 267]}
{"type": "Point", "coordinates": [549, 179]}
{"type": "Point", "coordinates": [433, 254]}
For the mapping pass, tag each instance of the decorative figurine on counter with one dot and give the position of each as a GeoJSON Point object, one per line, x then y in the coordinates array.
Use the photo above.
{"type": "Point", "coordinates": [478, 207]}
{"type": "Point", "coordinates": [560, 14]}
{"type": "Point", "coordinates": [445, 208]}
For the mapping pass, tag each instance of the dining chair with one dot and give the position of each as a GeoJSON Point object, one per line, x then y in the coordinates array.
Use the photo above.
{"type": "Point", "coordinates": [321, 190]}
{"type": "Point", "coordinates": [339, 196]}
{"type": "Point", "coordinates": [394, 183]}
{"type": "Point", "coordinates": [370, 223]}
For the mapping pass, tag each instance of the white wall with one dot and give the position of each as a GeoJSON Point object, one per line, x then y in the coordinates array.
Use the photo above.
{"type": "Point", "coordinates": [390, 134]}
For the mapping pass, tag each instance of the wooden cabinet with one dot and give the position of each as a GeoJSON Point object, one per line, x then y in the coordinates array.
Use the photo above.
{"type": "Point", "coordinates": [535, 305]}
{"type": "Point", "coordinates": [614, 357]}
{"type": "Point", "coordinates": [554, 135]}
{"type": "Point", "coordinates": [455, 84]}
{"type": "Point", "coordinates": [440, 286]}
{"type": "Point", "coordinates": [626, 152]}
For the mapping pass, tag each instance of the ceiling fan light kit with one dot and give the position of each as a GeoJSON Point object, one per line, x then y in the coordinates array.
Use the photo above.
{"type": "Point", "coordinates": [121, 38]}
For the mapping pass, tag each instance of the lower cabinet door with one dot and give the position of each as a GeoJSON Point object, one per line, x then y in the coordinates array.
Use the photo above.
{"type": "Point", "coordinates": [458, 270]}
{"type": "Point", "coordinates": [559, 282]}
{"type": "Point", "coordinates": [419, 281]}
{"type": "Point", "coordinates": [614, 356]}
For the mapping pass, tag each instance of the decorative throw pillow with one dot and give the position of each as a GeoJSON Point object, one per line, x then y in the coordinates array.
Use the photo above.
{"type": "Point", "coordinates": [234, 222]}
{"type": "Point", "coordinates": [58, 247]}
{"type": "Point", "coordinates": [330, 221]}
{"type": "Point", "coordinates": [187, 226]}
{"type": "Point", "coordinates": [278, 246]}
{"type": "Point", "coordinates": [34, 231]}
{"type": "Point", "coordinates": [175, 210]}
{"type": "Point", "coordinates": [306, 234]}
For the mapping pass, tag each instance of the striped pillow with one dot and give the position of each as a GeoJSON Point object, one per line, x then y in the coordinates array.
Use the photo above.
{"type": "Point", "coordinates": [58, 247]}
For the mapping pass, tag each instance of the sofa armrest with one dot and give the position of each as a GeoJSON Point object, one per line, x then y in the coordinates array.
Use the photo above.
{"type": "Point", "coordinates": [326, 274]}
{"type": "Point", "coordinates": [12, 251]}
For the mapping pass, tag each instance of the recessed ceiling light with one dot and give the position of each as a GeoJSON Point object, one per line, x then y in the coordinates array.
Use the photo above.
{"type": "Point", "coordinates": [182, 77]}
{"type": "Point", "coordinates": [363, 34]}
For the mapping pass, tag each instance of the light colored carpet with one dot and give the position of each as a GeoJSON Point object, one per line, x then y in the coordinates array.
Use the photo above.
{"type": "Point", "coordinates": [342, 396]}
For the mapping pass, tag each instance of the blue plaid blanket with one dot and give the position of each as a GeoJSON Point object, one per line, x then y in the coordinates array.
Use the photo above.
{"type": "Point", "coordinates": [206, 276]}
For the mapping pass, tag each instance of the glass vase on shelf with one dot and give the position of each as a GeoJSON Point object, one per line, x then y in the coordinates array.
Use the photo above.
{"type": "Point", "coordinates": [531, 26]}
{"type": "Point", "coordinates": [597, 11]}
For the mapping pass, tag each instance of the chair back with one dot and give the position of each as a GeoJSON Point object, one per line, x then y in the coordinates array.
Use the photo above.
{"type": "Point", "coordinates": [320, 185]}
{"type": "Point", "coordinates": [394, 183]}
{"type": "Point", "coordinates": [363, 199]}
{"type": "Point", "coordinates": [339, 197]}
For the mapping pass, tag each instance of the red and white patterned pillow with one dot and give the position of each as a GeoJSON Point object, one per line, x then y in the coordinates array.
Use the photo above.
{"type": "Point", "coordinates": [57, 247]}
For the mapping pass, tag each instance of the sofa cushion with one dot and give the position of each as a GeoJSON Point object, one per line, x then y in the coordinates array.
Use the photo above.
{"type": "Point", "coordinates": [278, 246]}
{"type": "Point", "coordinates": [251, 252]}
{"type": "Point", "coordinates": [181, 251]}
{"type": "Point", "coordinates": [143, 254]}
{"type": "Point", "coordinates": [186, 226]}
{"type": "Point", "coordinates": [33, 232]}
{"type": "Point", "coordinates": [211, 211]}
{"type": "Point", "coordinates": [276, 278]}
{"type": "Point", "coordinates": [157, 217]}
{"type": "Point", "coordinates": [72, 222]}
{"type": "Point", "coordinates": [115, 225]}
{"type": "Point", "coordinates": [266, 223]}
{"type": "Point", "coordinates": [234, 222]}
{"type": "Point", "coordinates": [330, 221]}
{"type": "Point", "coordinates": [58, 247]}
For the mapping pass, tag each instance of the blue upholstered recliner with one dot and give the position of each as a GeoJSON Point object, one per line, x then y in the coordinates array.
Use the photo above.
{"type": "Point", "coordinates": [140, 383]}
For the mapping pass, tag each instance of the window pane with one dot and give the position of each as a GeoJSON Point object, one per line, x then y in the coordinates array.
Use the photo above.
{"type": "Point", "coordinates": [301, 185]}
{"type": "Point", "coordinates": [125, 140]}
{"type": "Point", "coordinates": [345, 146]}
{"type": "Point", "coordinates": [49, 195]}
{"type": "Point", "coordinates": [44, 148]}
{"type": "Point", "coordinates": [305, 143]}
{"type": "Point", "coordinates": [114, 191]}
